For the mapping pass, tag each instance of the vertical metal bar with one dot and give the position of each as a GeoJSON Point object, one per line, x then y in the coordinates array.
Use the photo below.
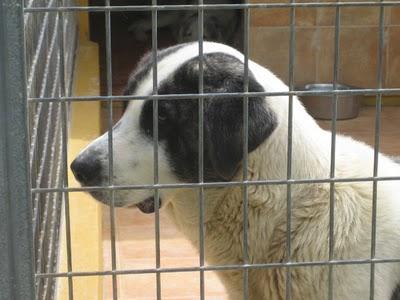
{"type": "Point", "coordinates": [376, 147]}
{"type": "Point", "coordinates": [246, 42]}
{"type": "Point", "coordinates": [200, 35]}
{"type": "Point", "coordinates": [154, 46]}
{"type": "Point", "coordinates": [64, 121]}
{"type": "Point", "coordinates": [16, 244]}
{"type": "Point", "coordinates": [110, 148]}
{"type": "Point", "coordinates": [35, 130]}
{"type": "Point", "coordinates": [292, 51]}
{"type": "Point", "coordinates": [333, 154]}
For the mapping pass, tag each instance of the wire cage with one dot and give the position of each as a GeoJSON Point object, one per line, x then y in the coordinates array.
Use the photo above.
{"type": "Point", "coordinates": [50, 43]}
{"type": "Point", "coordinates": [50, 33]}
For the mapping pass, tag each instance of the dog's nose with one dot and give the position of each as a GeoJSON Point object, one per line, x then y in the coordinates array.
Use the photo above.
{"type": "Point", "coordinates": [87, 170]}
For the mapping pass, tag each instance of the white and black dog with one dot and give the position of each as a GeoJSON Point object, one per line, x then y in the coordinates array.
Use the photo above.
{"type": "Point", "coordinates": [178, 72]}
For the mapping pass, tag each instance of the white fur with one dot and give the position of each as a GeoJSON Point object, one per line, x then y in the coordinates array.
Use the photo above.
{"type": "Point", "coordinates": [133, 160]}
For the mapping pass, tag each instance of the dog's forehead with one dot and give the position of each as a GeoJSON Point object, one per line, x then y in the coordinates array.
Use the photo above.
{"type": "Point", "coordinates": [168, 62]}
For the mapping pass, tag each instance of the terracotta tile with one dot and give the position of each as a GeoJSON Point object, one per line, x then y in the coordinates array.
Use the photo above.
{"type": "Point", "coordinates": [306, 16]}
{"type": "Point", "coordinates": [362, 128]}
{"type": "Point", "coordinates": [281, 16]}
{"type": "Point", "coordinates": [143, 232]}
{"type": "Point", "coordinates": [107, 287]}
{"type": "Point", "coordinates": [325, 55]}
{"type": "Point", "coordinates": [358, 56]}
{"type": "Point", "coordinates": [269, 17]}
{"type": "Point", "coordinates": [270, 47]}
{"type": "Point", "coordinates": [395, 15]}
{"type": "Point", "coordinates": [180, 285]}
{"type": "Point", "coordinates": [305, 59]}
{"type": "Point", "coordinates": [393, 61]}
{"type": "Point", "coordinates": [359, 16]}
{"type": "Point", "coordinates": [169, 248]}
{"type": "Point", "coordinates": [178, 262]}
{"type": "Point", "coordinates": [173, 286]}
{"type": "Point", "coordinates": [268, 1]}
{"type": "Point", "coordinates": [135, 249]}
{"type": "Point", "coordinates": [138, 286]}
{"type": "Point", "coordinates": [326, 16]}
{"type": "Point", "coordinates": [352, 16]}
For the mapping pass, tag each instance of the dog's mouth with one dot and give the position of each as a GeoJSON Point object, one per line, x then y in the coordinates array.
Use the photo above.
{"type": "Point", "coordinates": [148, 206]}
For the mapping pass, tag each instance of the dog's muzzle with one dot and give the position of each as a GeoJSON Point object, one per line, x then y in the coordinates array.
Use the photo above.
{"type": "Point", "coordinates": [87, 170]}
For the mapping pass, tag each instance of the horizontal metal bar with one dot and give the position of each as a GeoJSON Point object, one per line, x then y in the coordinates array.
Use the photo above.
{"type": "Point", "coordinates": [211, 184]}
{"type": "Point", "coordinates": [365, 92]}
{"type": "Point", "coordinates": [222, 267]}
{"type": "Point", "coordinates": [206, 6]}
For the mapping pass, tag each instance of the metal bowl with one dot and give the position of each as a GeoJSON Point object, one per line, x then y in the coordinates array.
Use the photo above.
{"type": "Point", "coordinates": [320, 106]}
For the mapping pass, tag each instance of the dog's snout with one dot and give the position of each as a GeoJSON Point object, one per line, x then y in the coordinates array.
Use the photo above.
{"type": "Point", "coordinates": [87, 170]}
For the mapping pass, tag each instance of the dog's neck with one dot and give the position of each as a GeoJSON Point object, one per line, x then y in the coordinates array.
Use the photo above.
{"type": "Point", "coordinates": [310, 154]}
{"type": "Point", "coordinates": [310, 160]}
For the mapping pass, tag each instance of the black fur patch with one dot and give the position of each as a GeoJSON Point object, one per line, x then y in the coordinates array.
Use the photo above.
{"type": "Point", "coordinates": [223, 119]}
{"type": "Point", "coordinates": [144, 67]}
{"type": "Point", "coordinates": [396, 293]}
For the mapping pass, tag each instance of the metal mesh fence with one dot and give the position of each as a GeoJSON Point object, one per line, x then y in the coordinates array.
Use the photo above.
{"type": "Point", "coordinates": [246, 266]}
{"type": "Point", "coordinates": [50, 42]}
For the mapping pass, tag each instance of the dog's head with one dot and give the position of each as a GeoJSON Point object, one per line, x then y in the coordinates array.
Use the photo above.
{"type": "Point", "coordinates": [178, 126]}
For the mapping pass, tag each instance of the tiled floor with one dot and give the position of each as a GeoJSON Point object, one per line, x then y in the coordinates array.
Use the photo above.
{"type": "Point", "coordinates": [135, 249]}
{"type": "Point", "coordinates": [135, 246]}
{"type": "Point", "coordinates": [363, 128]}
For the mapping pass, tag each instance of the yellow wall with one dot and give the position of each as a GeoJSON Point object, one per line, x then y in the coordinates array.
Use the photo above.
{"type": "Point", "coordinates": [85, 213]}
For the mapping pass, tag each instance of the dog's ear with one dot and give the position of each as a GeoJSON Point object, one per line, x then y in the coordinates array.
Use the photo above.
{"type": "Point", "coordinates": [223, 117]}
{"type": "Point", "coordinates": [224, 128]}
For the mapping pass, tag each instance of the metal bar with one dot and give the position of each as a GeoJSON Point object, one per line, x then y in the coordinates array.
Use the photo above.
{"type": "Point", "coordinates": [154, 46]}
{"type": "Point", "coordinates": [64, 121]}
{"type": "Point", "coordinates": [38, 50]}
{"type": "Point", "coordinates": [245, 194]}
{"type": "Point", "coordinates": [376, 146]}
{"type": "Point", "coordinates": [366, 92]}
{"type": "Point", "coordinates": [16, 244]}
{"type": "Point", "coordinates": [212, 184]}
{"type": "Point", "coordinates": [210, 6]}
{"type": "Point", "coordinates": [44, 220]}
{"type": "Point", "coordinates": [52, 244]}
{"type": "Point", "coordinates": [200, 28]}
{"type": "Point", "coordinates": [292, 51]}
{"type": "Point", "coordinates": [45, 223]}
{"type": "Point", "coordinates": [333, 153]}
{"type": "Point", "coordinates": [110, 148]}
{"type": "Point", "coordinates": [35, 129]}
{"type": "Point", "coordinates": [225, 267]}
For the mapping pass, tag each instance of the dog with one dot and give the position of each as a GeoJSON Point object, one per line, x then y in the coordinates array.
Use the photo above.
{"type": "Point", "coordinates": [223, 66]}
{"type": "Point", "coordinates": [220, 25]}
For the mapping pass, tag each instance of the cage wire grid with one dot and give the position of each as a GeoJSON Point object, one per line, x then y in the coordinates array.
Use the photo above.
{"type": "Point", "coordinates": [49, 68]}
{"type": "Point", "coordinates": [47, 22]}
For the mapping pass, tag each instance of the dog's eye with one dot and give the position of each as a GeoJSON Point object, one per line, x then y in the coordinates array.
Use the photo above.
{"type": "Point", "coordinates": [162, 114]}
{"type": "Point", "coordinates": [162, 117]}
